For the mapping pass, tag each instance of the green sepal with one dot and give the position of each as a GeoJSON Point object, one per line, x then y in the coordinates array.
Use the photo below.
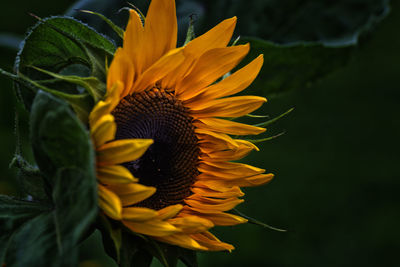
{"type": "Point", "coordinates": [271, 121]}
{"type": "Point", "coordinates": [260, 140]}
{"type": "Point", "coordinates": [81, 103]}
{"type": "Point", "coordinates": [93, 86]}
{"type": "Point", "coordinates": [116, 29]}
{"type": "Point", "coordinates": [190, 32]}
{"type": "Point", "coordinates": [257, 222]}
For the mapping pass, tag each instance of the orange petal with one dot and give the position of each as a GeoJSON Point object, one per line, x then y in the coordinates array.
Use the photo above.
{"type": "Point", "coordinates": [212, 243]}
{"type": "Point", "coordinates": [217, 37]}
{"type": "Point", "coordinates": [191, 224]}
{"type": "Point", "coordinates": [227, 127]}
{"type": "Point", "coordinates": [138, 214]}
{"type": "Point", "coordinates": [181, 240]}
{"type": "Point", "coordinates": [160, 30]}
{"type": "Point", "coordinates": [158, 70]}
{"type": "Point", "coordinates": [213, 207]}
{"type": "Point", "coordinates": [133, 41]}
{"type": "Point", "coordinates": [233, 84]}
{"type": "Point", "coordinates": [235, 106]}
{"type": "Point", "coordinates": [169, 211]}
{"type": "Point", "coordinates": [121, 69]}
{"type": "Point", "coordinates": [210, 66]}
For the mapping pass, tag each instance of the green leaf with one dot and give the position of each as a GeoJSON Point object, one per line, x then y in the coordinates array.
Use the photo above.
{"type": "Point", "coordinates": [56, 44]}
{"type": "Point", "coordinates": [58, 138]}
{"type": "Point", "coordinates": [294, 66]}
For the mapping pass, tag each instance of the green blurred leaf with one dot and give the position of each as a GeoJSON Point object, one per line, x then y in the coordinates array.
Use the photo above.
{"type": "Point", "coordinates": [111, 237]}
{"type": "Point", "coordinates": [64, 154]}
{"type": "Point", "coordinates": [60, 45]}
{"type": "Point", "coordinates": [292, 66]}
{"type": "Point", "coordinates": [169, 255]}
{"type": "Point", "coordinates": [329, 22]}
{"type": "Point", "coordinates": [13, 213]}
{"type": "Point", "coordinates": [132, 251]}
{"type": "Point", "coordinates": [10, 41]}
{"type": "Point", "coordinates": [30, 179]}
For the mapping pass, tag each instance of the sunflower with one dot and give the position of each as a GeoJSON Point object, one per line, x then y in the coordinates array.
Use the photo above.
{"type": "Point", "coordinates": [163, 150]}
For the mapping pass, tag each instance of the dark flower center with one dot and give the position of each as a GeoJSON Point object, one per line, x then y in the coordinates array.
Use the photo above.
{"type": "Point", "coordinates": [170, 163]}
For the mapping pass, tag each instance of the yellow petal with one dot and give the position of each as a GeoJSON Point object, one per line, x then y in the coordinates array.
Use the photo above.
{"type": "Point", "coordinates": [233, 84]}
{"type": "Point", "coordinates": [121, 69]}
{"type": "Point", "coordinates": [102, 108]}
{"type": "Point", "coordinates": [132, 193]}
{"type": "Point", "coordinates": [256, 180]}
{"type": "Point", "coordinates": [152, 227]}
{"type": "Point", "coordinates": [225, 219]}
{"type": "Point", "coordinates": [138, 214]}
{"type": "Point", "coordinates": [158, 70]}
{"type": "Point", "coordinates": [235, 106]}
{"type": "Point", "coordinates": [227, 127]}
{"type": "Point", "coordinates": [181, 240]}
{"type": "Point", "coordinates": [238, 170]}
{"type": "Point", "coordinates": [211, 155]}
{"type": "Point", "coordinates": [110, 203]}
{"type": "Point", "coordinates": [169, 211]}
{"type": "Point", "coordinates": [121, 151]}
{"type": "Point", "coordinates": [212, 243]}
{"type": "Point", "coordinates": [133, 41]}
{"type": "Point", "coordinates": [103, 130]}
{"type": "Point", "coordinates": [115, 174]}
{"type": "Point", "coordinates": [160, 30]}
{"type": "Point", "coordinates": [191, 224]}
{"type": "Point", "coordinates": [210, 66]}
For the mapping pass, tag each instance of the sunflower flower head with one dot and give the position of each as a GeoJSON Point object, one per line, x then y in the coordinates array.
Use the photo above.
{"type": "Point", "coordinates": [165, 155]}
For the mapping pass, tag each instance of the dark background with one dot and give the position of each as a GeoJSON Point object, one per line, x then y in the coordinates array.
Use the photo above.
{"type": "Point", "coordinates": [337, 166]}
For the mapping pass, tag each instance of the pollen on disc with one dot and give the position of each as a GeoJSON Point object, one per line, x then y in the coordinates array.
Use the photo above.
{"type": "Point", "coordinates": [170, 163]}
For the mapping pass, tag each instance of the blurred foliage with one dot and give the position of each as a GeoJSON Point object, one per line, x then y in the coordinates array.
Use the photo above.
{"type": "Point", "coordinates": [335, 189]}
{"type": "Point", "coordinates": [50, 236]}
